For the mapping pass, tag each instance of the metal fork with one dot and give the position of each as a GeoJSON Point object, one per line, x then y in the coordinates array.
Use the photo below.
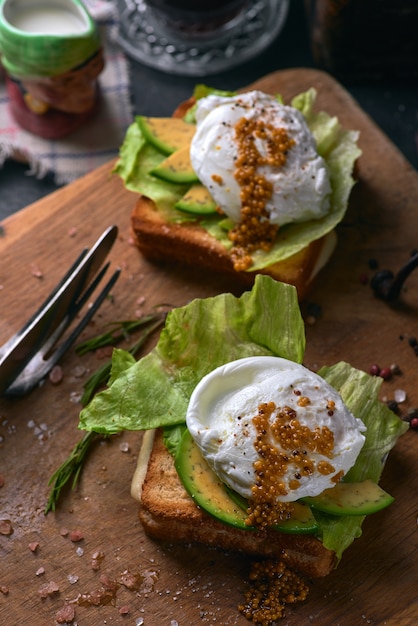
{"type": "Point", "coordinates": [28, 356]}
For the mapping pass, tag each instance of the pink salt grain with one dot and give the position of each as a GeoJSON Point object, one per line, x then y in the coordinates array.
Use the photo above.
{"type": "Point", "coordinates": [66, 615]}
{"type": "Point", "coordinates": [124, 610]}
{"type": "Point", "coordinates": [6, 527]}
{"type": "Point", "coordinates": [48, 589]}
{"type": "Point", "coordinates": [36, 271]}
{"type": "Point", "coordinates": [76, 535]}
{"type": "Point", "coordinates": [56, 375]}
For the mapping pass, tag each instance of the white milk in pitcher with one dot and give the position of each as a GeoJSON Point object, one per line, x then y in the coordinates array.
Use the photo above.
{"type": "Point", "coordinates": [49, 20]}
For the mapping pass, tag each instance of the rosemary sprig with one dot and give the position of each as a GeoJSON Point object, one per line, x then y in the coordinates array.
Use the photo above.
{"type": "Point", "coordinates": [70, 469]}
{"type": "Point", "coordinates": [118, 331]}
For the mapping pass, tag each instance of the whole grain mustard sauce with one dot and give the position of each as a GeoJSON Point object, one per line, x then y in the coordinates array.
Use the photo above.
{"type": "Point", "coordinates": [254, 230]}
{"type": "Point", "coordinates": [272, 584]}
{"type": "Point", "coordinates": [296, 441]}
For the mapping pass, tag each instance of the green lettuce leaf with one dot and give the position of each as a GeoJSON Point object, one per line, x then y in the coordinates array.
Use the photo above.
{"type": "Point", "coordinates": [137, 159]}
{"type": "Point", "coordinates": [360, 393]}
{"type": "Point", "coordinates": [154, 391]}
{"type": "Point", "coordinates": [336, 145]}
{"type": "Point", "coordinates": [196, 339]}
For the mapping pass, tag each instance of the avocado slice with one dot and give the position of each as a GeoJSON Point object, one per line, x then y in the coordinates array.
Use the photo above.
{"type": "Point", "coordinates": [204, 486]}
{"type": "Point", "coordinates": [362, 498]}
{"type": "Point", "coordinates": [197, 200]}
{"type": "Point", "coordinates": [176, 168]}
{"type": "Point", "coordinates": [167, 134]}
{"type": "Point", "coordinates": [210, 493]}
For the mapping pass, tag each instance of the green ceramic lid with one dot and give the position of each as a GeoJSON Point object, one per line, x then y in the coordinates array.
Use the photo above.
{"type": "Point", "coordinates": [28, 50]}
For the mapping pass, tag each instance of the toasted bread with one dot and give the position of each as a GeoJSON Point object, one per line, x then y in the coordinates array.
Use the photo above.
{"type": "Point", "coordinates": [168, 513]}
{"type": "Point", "coordinates": [191, 245]}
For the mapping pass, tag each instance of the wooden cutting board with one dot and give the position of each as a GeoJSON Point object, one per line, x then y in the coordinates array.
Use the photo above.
{"type": "Point", "coordinates": [376, 580]}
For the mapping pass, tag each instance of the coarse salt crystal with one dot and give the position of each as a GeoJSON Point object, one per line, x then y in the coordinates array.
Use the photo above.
{"type": "Point", "coordinates": [78, 371]}
{"type": "Point", "coordinates": [75, 397]}
{"type": "Point", "coordinates": [72, 579]}
{"type": "Point", "coordinates": [36, 271]}
{"type": "Point", "coordinates": [399, 395]}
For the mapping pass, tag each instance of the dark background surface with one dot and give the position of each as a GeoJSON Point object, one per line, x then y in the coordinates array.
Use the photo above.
{"type": "Point", "coordinates": [391, 103]}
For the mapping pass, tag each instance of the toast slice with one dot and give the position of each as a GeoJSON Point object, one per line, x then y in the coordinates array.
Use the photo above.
{"type": "Point", "coordinates": [189, 244]}
{"type": "Point", "coordinates": [168, 513]}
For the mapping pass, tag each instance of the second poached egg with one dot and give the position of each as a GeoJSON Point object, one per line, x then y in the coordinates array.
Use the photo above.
{"type": "Point", "coordinates": [271, 410]}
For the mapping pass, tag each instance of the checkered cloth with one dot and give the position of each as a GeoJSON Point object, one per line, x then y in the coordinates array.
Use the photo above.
{"type": "Point", "coordinates": [96, 142]}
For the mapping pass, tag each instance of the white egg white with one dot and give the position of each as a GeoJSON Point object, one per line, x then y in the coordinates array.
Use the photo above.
{"type": "Point", "coordinates": [301, 187]}
{"type": "Point", "coordinates": [221, 411]}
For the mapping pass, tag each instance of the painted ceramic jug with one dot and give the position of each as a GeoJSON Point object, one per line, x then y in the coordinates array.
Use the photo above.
{"type": "Point", "coordinates": [52, 56]}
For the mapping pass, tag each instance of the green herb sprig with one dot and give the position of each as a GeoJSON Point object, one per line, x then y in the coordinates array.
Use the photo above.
{"type": "Point", "coordinates": [70, 469]}
{"type": "Point", "coordinates": [117, 332]}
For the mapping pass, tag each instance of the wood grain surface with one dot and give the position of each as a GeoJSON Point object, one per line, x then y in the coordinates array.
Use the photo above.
{"type": "Point", "coordinates": [189, 585]}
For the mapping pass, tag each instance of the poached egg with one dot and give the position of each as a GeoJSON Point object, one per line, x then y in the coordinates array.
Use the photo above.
{"type": "Point", "coordinates": [311, 435]}
{"type": "Point", "coordinates": [300, 187]}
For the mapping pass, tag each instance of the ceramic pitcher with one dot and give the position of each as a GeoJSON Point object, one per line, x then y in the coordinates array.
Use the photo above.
{"type": "Point", "coordinates": [52, 56]}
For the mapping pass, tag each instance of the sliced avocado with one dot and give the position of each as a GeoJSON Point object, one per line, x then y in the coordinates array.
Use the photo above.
{"type": "Point", "coordinates": [302, 520]}
{"type": "Point", "coordinates": [204, 486]}
{"type": "Point", "coordinates": [176, 168]}
{"type": "Point", "coordinates": [197, 200]}
{"type": "Point", "coordinates": [212, 495]}
{"type": "Point", "coordinates": [167, 134]}
{"type": "Point", "coordinates": [361, 498]}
